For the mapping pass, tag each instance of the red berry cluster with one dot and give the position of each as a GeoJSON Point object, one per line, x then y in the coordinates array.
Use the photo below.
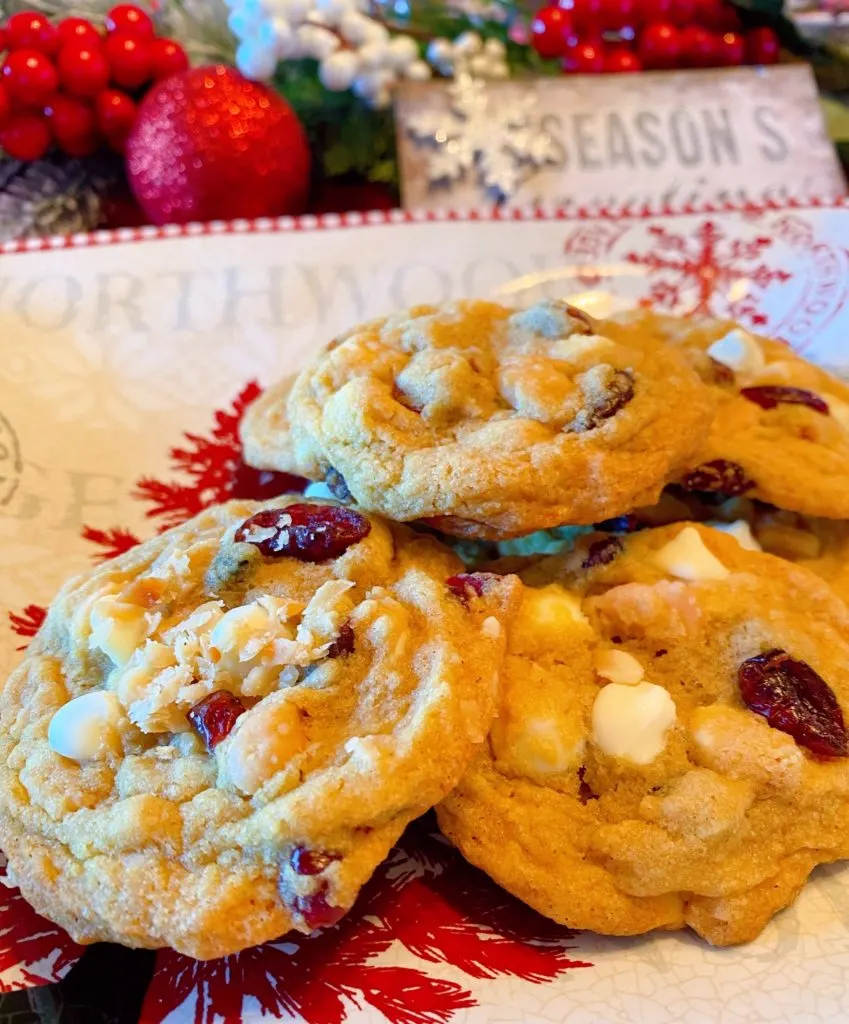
{"type": "Point", "coordinates": [75, 85]}
{"type": "Point", "coordinates": [591, 36]}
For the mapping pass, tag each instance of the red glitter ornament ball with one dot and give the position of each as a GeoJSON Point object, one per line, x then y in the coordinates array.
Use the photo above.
{"type": "Point", "coordinates": [208, 144]}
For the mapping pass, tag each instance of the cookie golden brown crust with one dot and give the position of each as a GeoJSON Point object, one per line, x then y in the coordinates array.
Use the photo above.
{"type": "Point", "coordinates": [792, 454]}
{"type": "Point", "coordinates": [488, 422]}
{"type": "Point", "coordinates": [332, 702]}
{"type": "Point", "coordinates": [821, 545]}
{"type": "Point", "coordinates": [673, 804]}
{"type": "Point", "coordinates": [264, 430]}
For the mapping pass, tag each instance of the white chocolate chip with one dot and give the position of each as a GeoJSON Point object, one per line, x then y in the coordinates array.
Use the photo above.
{"type": "Point", "coordinates": [262, 743]}
{"type": "Point", "coordinates": [491, 628]}
{"type": "Point", "coordinates": [548, 612]}
{"type": "Point", "coordinates": [631, 722]}
{"type": "Point", "coordinates": [618, 667]}
{"type": "Point", "coordinates": [687, 558]}
{"type": "Point", "coordinates": [86, 727]}
{"type": "Point", "coordinates": [539, 744]}
{"type": "Point", "coordinates": [739, 351]}
{"type": "Point", "coordinates": [117, 628]}
{"type": "Point", "coordinates": [739, 530]}
{"type": "Point", "coordinates": [319, 490]}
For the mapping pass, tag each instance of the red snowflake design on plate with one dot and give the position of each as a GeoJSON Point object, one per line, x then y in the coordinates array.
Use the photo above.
{"type": "Point", "coordinates": [112, 542]}
{"type": "Point", "coordinates": [214, 471]}
{"type": "Point", "coordinates": [426, 899]}
{"type": "Point", "coordinates": [695, 274]}
{"type": "Point", "coordinates": [32, 950]}
{"type": "Point", "coordinates": [28, 622]}
{"type": "Point", "coordinates": [592, 242]}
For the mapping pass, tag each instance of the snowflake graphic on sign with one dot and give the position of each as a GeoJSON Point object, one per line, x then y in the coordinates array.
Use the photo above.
{"type": "Point", "coordinates": [706, 274]}
{"type": "Point", "coordinates": [499, 141]}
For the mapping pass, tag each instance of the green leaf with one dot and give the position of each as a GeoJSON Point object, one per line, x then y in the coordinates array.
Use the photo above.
{"type": "Point", "coordinates": [384, 172]}
{"type": "Point", "coordinates": [774, 8]}
{"type": "Point", "coordinates": [836, 118]}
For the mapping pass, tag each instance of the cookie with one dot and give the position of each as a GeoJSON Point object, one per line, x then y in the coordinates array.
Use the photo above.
{"type": "Point", "coordinates": [264, 430]}
{"type": "Point", "coordinates": [216, 737]}
{"type": "Point", "coordinates": [487, 423]}
{"type": "Point", "coordinates": [671, 749]}
{"type": "Point", "coordinates": [781, 432]}
{"type": "Point", "coordinates": [821, 545]}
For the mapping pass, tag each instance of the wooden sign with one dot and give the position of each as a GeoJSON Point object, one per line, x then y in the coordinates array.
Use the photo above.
{"type": "Point", "coordinates": [742, 134]}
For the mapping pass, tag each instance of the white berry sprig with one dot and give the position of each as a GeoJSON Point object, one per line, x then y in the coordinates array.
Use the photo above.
{"type": "Point", "coordinates": [354, 50]}
{"type": "Point", "coordinates": [469, 55]}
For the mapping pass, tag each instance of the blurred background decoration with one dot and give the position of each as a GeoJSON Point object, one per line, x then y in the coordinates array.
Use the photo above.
{"type": "Point", "coordinates": [69, 112]}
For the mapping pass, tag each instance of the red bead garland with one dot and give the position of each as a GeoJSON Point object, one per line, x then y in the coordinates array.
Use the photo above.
{"type": "Point", "coordinates": [30, 78]}
{"type": "Point", "coordinates": [68, 83]}
{"type": "Point", "coordinates": [131, 21]}
{"type": "Point", "coordinates": [31, 31]}
{"type": "Point", "coordinates": [129, 60]}
{"type": "Point", "coordinates": [25, 136]}
{"type": "Point", "coordinates": [550, 31]}
{"type": "Point", "coordinates": [83, 69]}
{"type": "Point", "coordinates": [619, 36]}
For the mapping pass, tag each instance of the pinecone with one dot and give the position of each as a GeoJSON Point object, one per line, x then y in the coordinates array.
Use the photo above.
{"type": "Point", "coordinates": [53, 197]}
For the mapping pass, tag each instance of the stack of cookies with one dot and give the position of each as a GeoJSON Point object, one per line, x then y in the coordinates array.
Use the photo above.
{"type": "Point", "coordinates": [628, 710]}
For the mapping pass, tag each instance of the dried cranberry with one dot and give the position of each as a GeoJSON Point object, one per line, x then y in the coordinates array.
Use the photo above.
{"type": "Point", "coordinates": [304, 861]}
{"type": "Point", "coordinates": [469, 584]}
{"type": "Point", "coordinates": [262, 484]}
{"type": "Point", "coordinates": [604, 400]}
{"type": "Point", "coordinates": [584, 319]}
{"type": "Point", "coordinates": [214, 717]}
{"type": "Point", "coordinates": [768, 396]}
{"type": "Point", "coordinates": [310, 533]}
{"type": "Point", "coordinates": [718, 476]}
{"type": "Point", "coordinates": [722, 374]}
{"type": "Point", "coordinates": [793, 698]}
{"type": "Point", "coordinates": [602, 552]}
{"type": "Point", "coordinates": [343, 644]}
{"type": "Point", "coordinates": [585, 792]}
{"type": "Point", "coordinates": [619, 524]}
{"type": "Point", "coordinates": [336, 485]}
{"type": "Point", "coordinates": [316, 911]}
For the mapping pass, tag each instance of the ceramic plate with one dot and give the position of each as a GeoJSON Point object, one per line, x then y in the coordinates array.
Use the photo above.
{"type": "Point", "coordinates": [125, 363]}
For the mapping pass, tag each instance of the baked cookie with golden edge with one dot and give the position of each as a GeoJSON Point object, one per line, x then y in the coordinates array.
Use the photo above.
{"type": "Point", "coordinates": [490, 423]}
{"type": "Point", "coordinates": [671, 749]}
{"type": "Point", "coordinates": [821, 545]}
{"type": "Point", "coordinates": [216, 737]}
{"type": "Point", "coordinates": [264, 429]}
{"type": "Point", "coordinates": [781, 432]}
